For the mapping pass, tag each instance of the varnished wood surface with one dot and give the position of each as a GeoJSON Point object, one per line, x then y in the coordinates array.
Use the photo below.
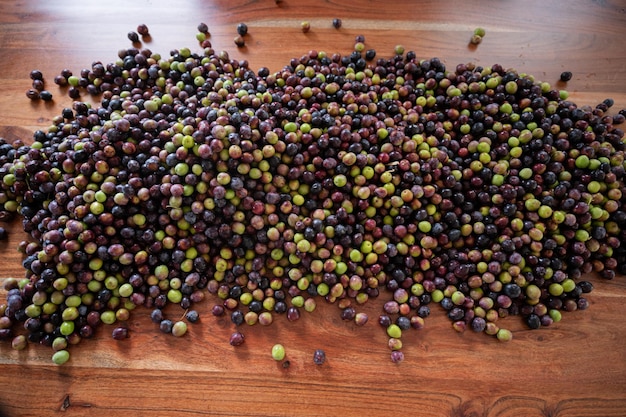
{"type": "Point", "coordinates": [574, 368]}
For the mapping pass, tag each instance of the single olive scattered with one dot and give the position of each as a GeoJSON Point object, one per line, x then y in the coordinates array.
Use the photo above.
{"type": "Point", "coordinates": [120, 333]}
{"type": "Point", "coordinates": [242, 29]}
{"type": "Point", "coordinates": [237, 339]}
{"type": "Point", "coordinates": [319, 357]}
{"type": "Point", "coordinates": [143, 30]}
{"type": "Point", "coordinates": [133, 36]}
{"type": "Point", "coordinates": [60, 357]}
{"type": "Point", "coordinates": [397, 356]}
{"type": "Point", "coordinates": [45, 95]}
{"type": "Point", "coordinates": [476, 39]}
{"type": "Point", "coordinates": [278, 352]}
{"type": "Point", "coordinates": [179, 328]}
{"type": "Point", "coordinates": [203, 28]}
{"type": "Point", "coordinates": [239, 41]}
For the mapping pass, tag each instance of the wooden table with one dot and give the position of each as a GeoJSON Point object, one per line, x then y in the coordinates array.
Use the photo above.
{"type": "Point", "coordinates": [574, 368]}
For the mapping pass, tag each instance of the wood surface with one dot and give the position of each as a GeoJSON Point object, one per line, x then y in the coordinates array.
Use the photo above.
{"type": "Point", "coordinates": [574, 368]}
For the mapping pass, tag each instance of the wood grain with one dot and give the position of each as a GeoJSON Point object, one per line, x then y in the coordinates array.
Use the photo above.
{"type": "Point", "coordinates": [575, 368]}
